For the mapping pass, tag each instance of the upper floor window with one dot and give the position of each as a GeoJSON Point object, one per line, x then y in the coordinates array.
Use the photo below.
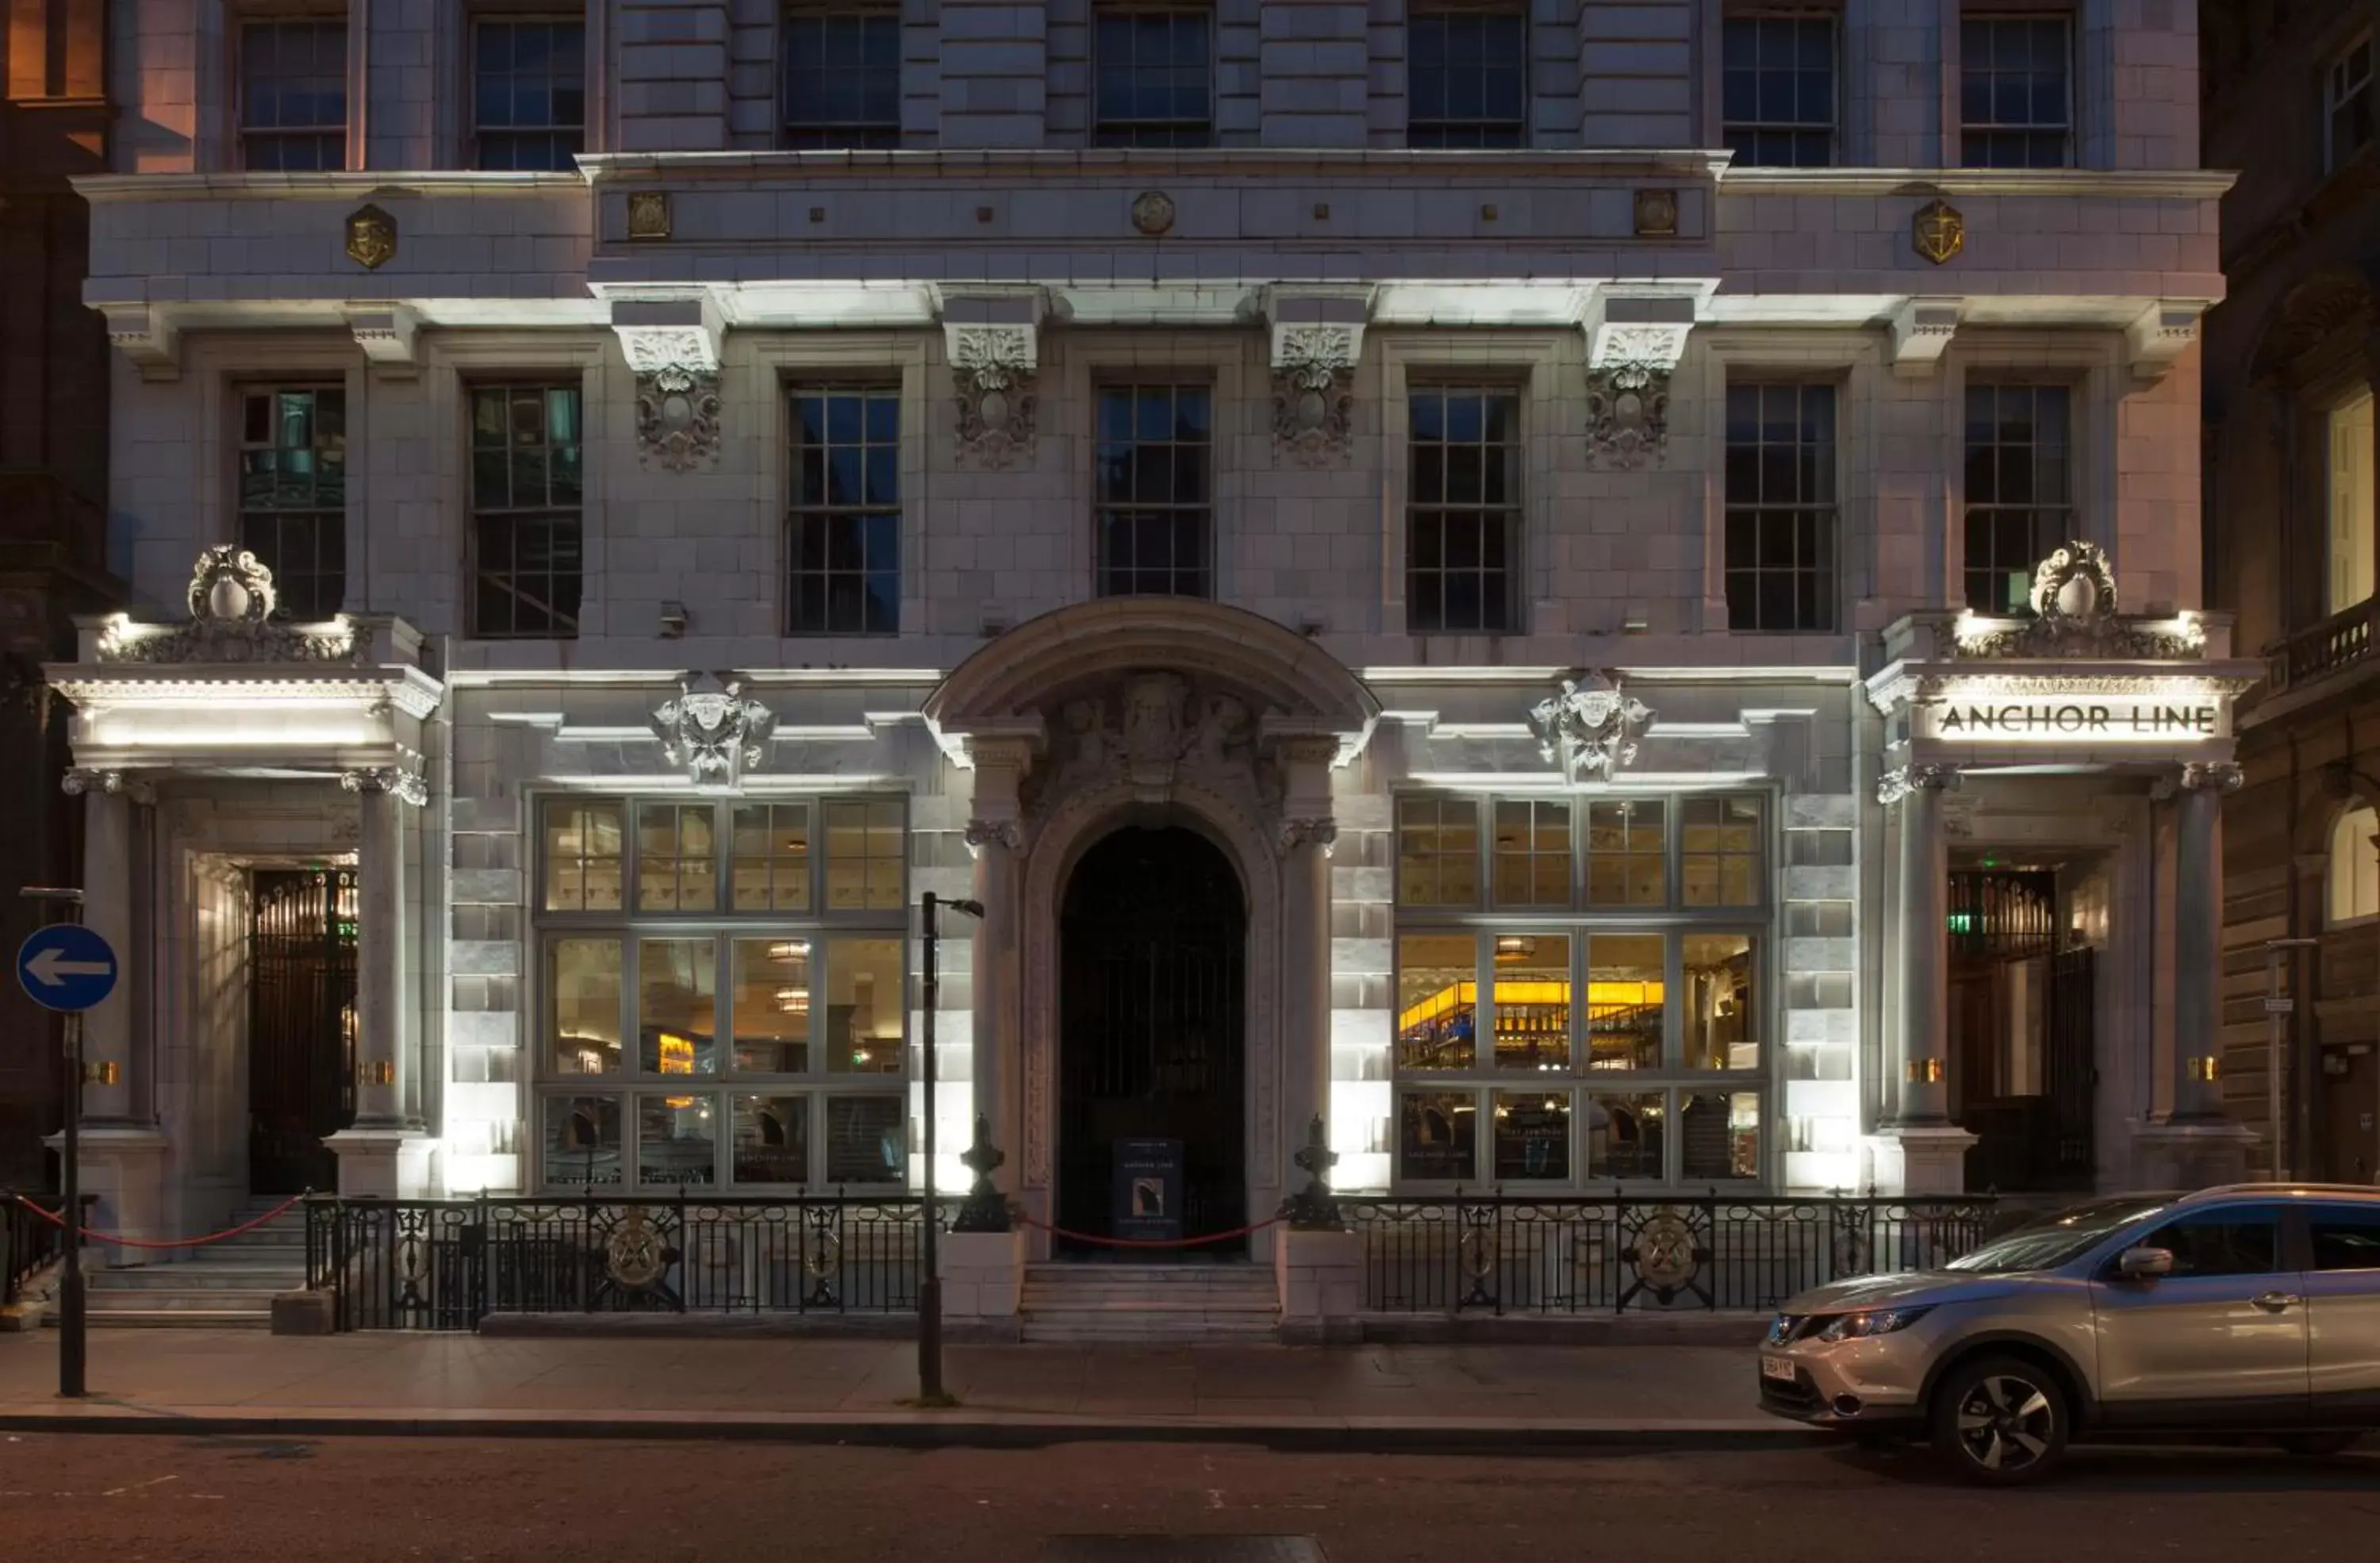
{"type": "Point", "coordinates": [292, 493]}
{"type": "Point", "coordinates": [2016, 92]}
{"type": "Point", "coordinates": [2347, 438]}
{"type": "Point", "coordinates": [842, 77]}
{"type": "Point", "coordinates": [843, 534]}
{"type": "Point", "coordinates": [1467, 76]}
{"type": "Point", "coordinates": [1781, 507]}
{"type": "Point", "coordinates": [1777, 90]}
{"type": "Point", "coordinates": [1156, 519]}
{"type": "Point", "coordinates": [1152, 82]}
{"type": "Point", "coordinates": [1463, 520]}
{"type": "Point", "coordinates": [293, 95]}
{"type": "Point", "coordinates": [2354, 872]}
{"type": "Point", "coordinates": [528, 91]}
{"type": "Point", "coordinates": [2020, 489]}
{"type": "Point", "coordinates": [2347, 103]}
{"type": "Point", "coordinates": [527, 549]}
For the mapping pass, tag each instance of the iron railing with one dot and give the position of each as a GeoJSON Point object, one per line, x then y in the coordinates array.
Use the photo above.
{"type": "Point", "coordinates": [448, 1264]}
{"type": "Point", "coordinates": [27, 1241]}
{"type": "Point", "coordinates": [2332, 645]}
{"type": "Point", "coordinates": [1504, 1253]}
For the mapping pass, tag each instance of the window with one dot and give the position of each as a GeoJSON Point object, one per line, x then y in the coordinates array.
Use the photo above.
{"type": "Point", "coordinates": [1781, 507]}
{"type": "Point", "coordinates": [2347, 436]}
{"type": "Point", "coordinates": [1622, 941]}
{"type": "Point", "coordinates": [2347, 103]}
{"type": "Point", "coordinates": [842, 77]}
{"type": "Point", "coordinates": [293, 95]}
{"type": "Point", "coordinates": [842, 536]}
{"type": "Point", "coordinates": [528, 92]}
{"type": "Point", "coordinates": [754, 1038]}
{"type": "Point", "coordinates": [2221, 1242]}
{"type": "Point", "coordinates": [2346, 1237]}
{"type": "Point", "coordinates": [292, 493]}
{"type": "Point", "coordinates": [1151, 78]}
{"type": "Point", "coordinates": [1466, 77]}
{"type": "Point", "coordinates": [526, 562]}
{"type": "Point", "coordinates": [1463, 534]}
{"type": "Point", "coordinates": [2354, 872]}
{"type": "Point", "coordinates": [2015, 91]}
{"type": "Point", "coordinates": [1156, 515]}
{"type": "Point", "coordinates": [2019, 489]}
{"type": "Point", "coordinates": [1777, 90]}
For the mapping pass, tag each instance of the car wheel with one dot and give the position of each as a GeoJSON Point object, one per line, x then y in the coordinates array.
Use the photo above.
{"type": "Point", "coordinates": [2316, 1446]}
{"type": "Point", "coordinates": [2000, 1421]}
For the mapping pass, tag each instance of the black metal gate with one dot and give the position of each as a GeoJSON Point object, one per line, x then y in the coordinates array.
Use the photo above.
{"type": "Point", "coordinates": [301, 1025]}
{"type": "Point", "coordinates": [2034, 1137]}
{"type": "Point", "coordinates": [2072, 1070]}
{"type": "Point", "coordinates": [1152, 1025]}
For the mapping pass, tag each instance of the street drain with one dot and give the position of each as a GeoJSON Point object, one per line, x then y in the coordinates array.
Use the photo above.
{"type": "Point", "coordinates": [1183, 1549]}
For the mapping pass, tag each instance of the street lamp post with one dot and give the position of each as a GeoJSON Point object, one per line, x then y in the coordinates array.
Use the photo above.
{"type": "Point", "coordinates": [929, 1286]}
{"type": "Point", "coordinates": [2277, 1009]}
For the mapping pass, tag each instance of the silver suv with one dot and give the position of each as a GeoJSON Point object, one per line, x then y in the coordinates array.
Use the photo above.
{"type": "Point", "coordinates": [2250, 1309]}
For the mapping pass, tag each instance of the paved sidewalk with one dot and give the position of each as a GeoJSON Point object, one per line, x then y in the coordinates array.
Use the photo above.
{"type": "Point", "coordinates": [850, 1391]}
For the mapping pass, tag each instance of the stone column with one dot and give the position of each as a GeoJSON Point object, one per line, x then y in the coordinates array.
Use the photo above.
{"type": "Point", "coordinates": [996, 836]}
{"type": "Point", "coordinates": [384, 1155]}
{"type": "Point", "coordinates": [2198, 943]}
{"type": "Point", "coordinates": [1921, 1151]}
{"type": "Point", "coordinates": [1304, 836]}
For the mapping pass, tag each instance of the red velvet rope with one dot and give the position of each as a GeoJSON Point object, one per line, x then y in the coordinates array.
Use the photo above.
{"type": "Point", "coordinates": [57, 1221]}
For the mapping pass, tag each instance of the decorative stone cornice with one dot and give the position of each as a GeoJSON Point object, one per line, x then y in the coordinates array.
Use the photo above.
{"type": "Point", "coordinates": [672, 346]}
{"type": "Point", "coordinates": [2161, 334]}
{"type": "Point", "coordinates": [232, 600]}
{"type": "Point", "coordinates": [402, 780]}
{"type": "Point", "coordinates": [79, 779]}
{"type": "Point", "coordinates": [1291, 834]}
{"type": "Point", "coordinates": [1922, 330]}
{"type": "Point", "coordinates": [2074, 615]}
{"type": "Point", "coordinates": [1007, 834]}
{"type": "Point", "coordinates": [714, 733]}
{"type": "Point", "coordinates": [1899, 782]}
{"type": "Point", "coordinates": [2212, 776]}
{"type": "Point", "coordinates": [1634, 341]}
{"type": "Point", "coordinates": [1590, 728]}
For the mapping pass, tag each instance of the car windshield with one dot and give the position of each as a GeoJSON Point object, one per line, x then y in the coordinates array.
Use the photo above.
{"type": "Point", "coordinates": [2055, 1240]}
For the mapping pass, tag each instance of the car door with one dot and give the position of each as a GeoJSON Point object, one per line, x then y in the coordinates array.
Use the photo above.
{"type": "Point", "coordinates": [2221, 1340]}
{"type": "Point", "coordinates": [2342, 1292]}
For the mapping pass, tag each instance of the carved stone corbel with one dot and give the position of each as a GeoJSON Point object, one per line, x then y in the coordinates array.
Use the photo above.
{"type": "Point", "coordinates": [1318, 338]}
{"type": "Point", "coordinates": [1922, 330]}
{"type": "Point", "coordinates": [2161, 334]}
{"type": "Point", "coordinates": [993, 342]}
{"type": "Point", "coordinates": [672, 345]}
{"type": "Point", "coordinates": [1633, 345]}
{"type": "Point", "coordinates": [386, 335]}
{"type": "Point", "coordinates": [148, 335]}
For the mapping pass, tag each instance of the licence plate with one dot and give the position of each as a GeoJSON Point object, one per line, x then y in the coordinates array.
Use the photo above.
{"type": "Point", "coordinates": [1780, 1368]}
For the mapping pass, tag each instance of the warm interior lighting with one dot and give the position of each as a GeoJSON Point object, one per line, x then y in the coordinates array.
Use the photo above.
{"type": "Point", "coordinates": [791, 949]}
{"type": "Point", "coordinates": [677, 1054]}
{"type": "Point", "coordinates": [1602, 997]}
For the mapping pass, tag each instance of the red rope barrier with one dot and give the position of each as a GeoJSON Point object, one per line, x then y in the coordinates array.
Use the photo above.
{"type": "Point", "coordinates": [118, 1238]}
{"type": "Point", "coordinates": [1148, 1242]}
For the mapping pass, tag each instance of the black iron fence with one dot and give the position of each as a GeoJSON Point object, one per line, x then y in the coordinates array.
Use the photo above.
{"type": "Point", "coordinates": [28, 1241]}
{"type": "Point", "coordinates": [448, 1264]}
{"type": "Point", "coordinates": [1504, 1253]}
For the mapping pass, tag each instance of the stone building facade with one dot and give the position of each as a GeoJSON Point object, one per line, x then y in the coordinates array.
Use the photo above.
{"type": "Point", "coordinates": [2293, 358]}
{"type": "Point", "coordinates": [1590, 594]}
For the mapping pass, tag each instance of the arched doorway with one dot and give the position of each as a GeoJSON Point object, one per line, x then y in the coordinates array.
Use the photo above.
{"type": "Point", "coordinates": [1151, 1043]}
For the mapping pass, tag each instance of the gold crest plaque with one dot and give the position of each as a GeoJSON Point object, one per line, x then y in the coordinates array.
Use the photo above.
{"type": "Point", "coordinates": [649, 214]}
{"type": "Point", "coordinates": [371, 237]}
{"type": "Point", "coordinates": [1939, 231]}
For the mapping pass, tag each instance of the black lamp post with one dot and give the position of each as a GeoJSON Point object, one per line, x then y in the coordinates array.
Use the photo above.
{"type": "Point", "coordinates": [929, 1286]}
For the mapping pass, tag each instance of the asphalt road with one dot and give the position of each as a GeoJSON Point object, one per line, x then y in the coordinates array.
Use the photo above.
{"type": "Point", "coordinates": [194, 1500]}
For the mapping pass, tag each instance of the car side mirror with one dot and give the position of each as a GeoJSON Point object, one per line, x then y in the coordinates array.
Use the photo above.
{"type": "Point", "coordinates": [2145, 1264]}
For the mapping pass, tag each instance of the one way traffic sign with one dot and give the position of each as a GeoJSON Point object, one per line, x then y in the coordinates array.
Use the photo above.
{"type": "Point", "coordinates": [65, 966]}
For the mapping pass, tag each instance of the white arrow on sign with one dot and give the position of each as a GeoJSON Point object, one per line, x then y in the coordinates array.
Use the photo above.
{"type": "Point", "coordinates": [51, 968]}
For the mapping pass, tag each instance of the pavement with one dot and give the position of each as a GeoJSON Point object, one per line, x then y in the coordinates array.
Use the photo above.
{"type": "Point", "coordinates": [1370, 1397]}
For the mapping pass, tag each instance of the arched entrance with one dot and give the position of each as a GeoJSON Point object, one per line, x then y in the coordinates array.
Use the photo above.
{"type": "Point", "coordinates": [1152, 1042]}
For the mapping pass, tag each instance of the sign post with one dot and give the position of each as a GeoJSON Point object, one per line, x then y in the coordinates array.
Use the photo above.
{"type": "Point", "coordinates": [2278, 1010]}
{"type": "Point", "coordinates": [67, 969]}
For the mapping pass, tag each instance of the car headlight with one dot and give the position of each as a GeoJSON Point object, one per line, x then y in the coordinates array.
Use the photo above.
{"type": "Point", "coordinates": [1874, 1321]}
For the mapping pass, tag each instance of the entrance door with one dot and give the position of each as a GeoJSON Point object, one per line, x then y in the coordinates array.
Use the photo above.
{"type": "Point", "coordinates": [301, 1025]}
{"type": "Point", "coordinates": [1151, 1032]}
{"type": "Point", "coordinates": [2020, 1033]}
{"type": "Point", "coordinates": [2351, 1113]}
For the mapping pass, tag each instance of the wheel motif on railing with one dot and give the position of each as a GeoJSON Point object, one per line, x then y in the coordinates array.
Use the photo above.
{"type": "Point", "coordinates": [634, 1255]}
{"type": "Point", "coordinates": [822, 1254]}
{"type": "Point", "coordinates": [1665, 1255]}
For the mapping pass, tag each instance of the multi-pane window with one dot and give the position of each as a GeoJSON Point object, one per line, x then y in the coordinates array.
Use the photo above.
{"type": "Point", "coordinates": [528, 564]}
{"type": "Point", "coordinates": [1467, 76]}
{"type": "Point", "coordinates": [1637, 954]}
{"type": "Point", "coordinates": [1463, 538]}
{"type": "Point", "coordinates": [2016, 92]}
{"type": "Point", "coordinates": [1781, 507]}
{"type": "Point", "coordinates": [292, 493]}
{"type": "Point", "coordinates": [2347, 103]}
{"type": "Point", "coordinates": [843, 537]}
{"type": "Point", "coordinates": [293, 94]}
{"type": "Point", "coordinates": [2020, 489]}
{"type": "Point", "coordinates": [1150, 78]}
{"type": "Point", "coordinates": [842, 77]}
{"type": "Point", "coordinates": [1777, 90]}
{"type": "Point", "coordinates": [1156, 517]}
{"type": "Point", "coordinates": [761, 1038]}
{"type": "Point", "coordinates": [528, 91]}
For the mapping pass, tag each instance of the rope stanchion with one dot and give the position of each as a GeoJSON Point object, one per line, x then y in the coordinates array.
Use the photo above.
{"type": "Point", "coordinates": [123, 1242]}
{"type": "Point", "coordinates": [1150, 1242]}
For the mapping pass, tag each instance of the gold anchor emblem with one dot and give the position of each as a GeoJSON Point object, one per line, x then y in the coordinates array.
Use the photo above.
{"type": "Point", "coordinates": [371, 237]}
{"type": "Point", "coordinates": [1939, 231]}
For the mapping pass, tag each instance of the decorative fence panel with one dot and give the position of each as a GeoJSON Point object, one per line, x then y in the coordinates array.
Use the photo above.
{"type": "Point", "coordinates": [28, 1241]}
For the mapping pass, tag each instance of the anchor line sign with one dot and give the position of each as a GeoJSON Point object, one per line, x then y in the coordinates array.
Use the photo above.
{"type": "Point", "coordinates": [65, 967]}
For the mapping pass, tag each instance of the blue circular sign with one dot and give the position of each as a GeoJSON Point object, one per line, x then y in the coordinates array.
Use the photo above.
{"type": "Point", "coordinates": [67, 967]}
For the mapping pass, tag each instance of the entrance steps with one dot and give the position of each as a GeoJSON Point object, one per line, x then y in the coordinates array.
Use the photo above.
{"type": "Point", "coordinates": [226, 1284]}
{"type": "Point", "coordinates": [1155, 1304]}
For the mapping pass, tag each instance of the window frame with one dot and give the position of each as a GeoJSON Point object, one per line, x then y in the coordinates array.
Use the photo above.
{"type": "Point", "coordinates": [2014, 12]}
{"type": "Point", "coordinates": [858, 135]}
{"type": "Point", "coordinates": [473, 513]}
{"type": "Point", "coordinates": [1518, 538]}
{"type": "Point", "coordinates": [1127, 132]}
{"type": "Point", "coordinates": [868, 387]}
{"type": "Point", "coordinates": [516, 13]}
{"type": "Point", "coordinates": [1430, 135]}
{"type": "Point", "coordinates": [630, 926]}
{"type": "Point", "coordinates": [238, 25]}
{"type": "Point", "coordinates": [2332, 865]}
{"type": "Point", "coordinates": [2332, 99]}
{"type": "Point", "coordinates": [333, 523]}
{"type": "Point", "coordinates": [1830, 514]}
{"type": "Point", "coordinates": [1997, 379]}
{"type": "Point", "coordinates": [1174, 378]}
{"type": "Point", "coordinates": [1729, 128]}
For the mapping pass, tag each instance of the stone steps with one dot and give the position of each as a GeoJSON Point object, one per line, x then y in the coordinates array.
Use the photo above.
{"type": "Point", "coordinates": [227, 1285]}
{"type": "Point", "coordinates": [1168, 1305]}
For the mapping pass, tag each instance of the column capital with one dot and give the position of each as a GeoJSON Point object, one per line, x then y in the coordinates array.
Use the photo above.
{"type": "Point", "coordinates": [79, 779]}
{"type": "Point", "coordinates": [2212, 776]}
{"type": "Point", "coordinates": [1898, 783]}
{"type": "Point", "coordinates": [402, 781]}
{"type": "Point", "coordinates": [1305, 831]}
{"type": "Point", "coordinates": [1007, 834]}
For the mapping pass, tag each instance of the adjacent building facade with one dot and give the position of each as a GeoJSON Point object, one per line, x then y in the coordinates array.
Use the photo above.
{"type": "Point", "coordinates": [2291, 359]}
{"type": "Point", "coordinates": [1592, 595]}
